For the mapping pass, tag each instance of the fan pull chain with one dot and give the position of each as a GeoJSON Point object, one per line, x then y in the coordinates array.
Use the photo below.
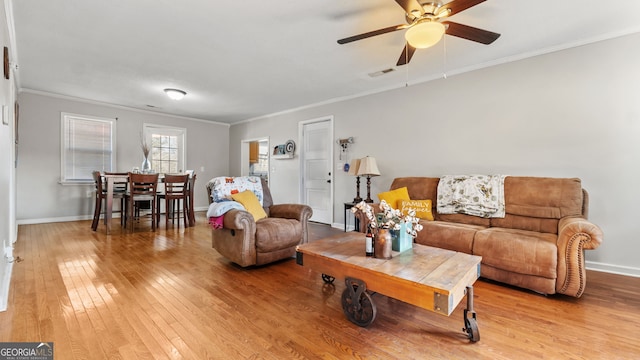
{"type": "Point", "coordinates": [444, 55]}
{"type": "Point", "coordinates": [406, 61]}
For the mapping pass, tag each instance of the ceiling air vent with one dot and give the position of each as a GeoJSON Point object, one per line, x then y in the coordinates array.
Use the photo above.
{"type": "Point", "coordinates": [381, 72]}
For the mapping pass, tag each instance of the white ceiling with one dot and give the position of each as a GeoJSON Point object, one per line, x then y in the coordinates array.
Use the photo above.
{"type": "Point", "coordinates": [239, 60]}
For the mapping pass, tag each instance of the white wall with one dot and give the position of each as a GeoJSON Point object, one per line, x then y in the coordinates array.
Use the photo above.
{"type": "Point", "coordinates": [572, 113]}
{"type": "Point", "coordinates": [40, 195]}
{"type": "Point", "coordinates": [7, 175]}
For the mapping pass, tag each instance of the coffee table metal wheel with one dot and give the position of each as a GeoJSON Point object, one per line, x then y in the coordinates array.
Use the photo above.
{"type": "Point", "coordinates": [357, 304]}
{"type": "Point", "coordinates": [471, 323]}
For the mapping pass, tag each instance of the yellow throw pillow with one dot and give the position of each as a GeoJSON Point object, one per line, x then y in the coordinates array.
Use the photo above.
{"type": "Point", "coordinates": [250, 202]}
{"type": "Point", "coordinates": [393, 197]}
{"type": "Point", "coordinates": [422, 207]}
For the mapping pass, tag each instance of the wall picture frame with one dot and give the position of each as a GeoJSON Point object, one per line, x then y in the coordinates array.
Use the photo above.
{"type": "Point", "coordinates": [279, 150]}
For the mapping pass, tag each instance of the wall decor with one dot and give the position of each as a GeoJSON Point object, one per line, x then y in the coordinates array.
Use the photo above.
{"type": "Point", "coordinates": [290, 147]}
{"type": "Point", "coordinates": [16, 115]}
{"type": "Point", "coordinates": [6, 63]}
{"type": "Point", "coordinates": [284, 151]}
{"type": "Point", "coordinates": [279, 150]}
{"type": "Point", "coordinates": [5, 115]}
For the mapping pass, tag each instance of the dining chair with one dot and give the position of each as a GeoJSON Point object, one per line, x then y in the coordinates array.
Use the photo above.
{"type": "Point", "coordinates": [176, 189]}
{"type": "Point", "coordinates": [101, 194]}
{"type": "Point", "coordinates": [142, 188]}
{"type": "Point", "coordinates": [191, 214]}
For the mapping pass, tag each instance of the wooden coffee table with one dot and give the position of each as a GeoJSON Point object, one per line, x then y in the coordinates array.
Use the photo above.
{"type": "Point", "coordinates": [431, 278]}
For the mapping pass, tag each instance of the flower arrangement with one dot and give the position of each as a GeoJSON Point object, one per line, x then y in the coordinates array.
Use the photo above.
{"type": "Point", "coordinates": [145, 147]}
{"type": "Point", "coordinates": [389, 218]}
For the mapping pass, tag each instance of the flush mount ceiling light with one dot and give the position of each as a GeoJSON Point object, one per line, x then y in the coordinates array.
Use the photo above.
{"type": "Point", "coordinates": [424, 34]}
{"type": "Point", "coordinates": [175, 94]}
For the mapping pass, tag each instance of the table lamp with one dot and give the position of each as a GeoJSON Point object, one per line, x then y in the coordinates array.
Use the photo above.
{"type": "Point", "coordinates": [368, 168]}
{"type": "Point", "coordinates": [353, 171]}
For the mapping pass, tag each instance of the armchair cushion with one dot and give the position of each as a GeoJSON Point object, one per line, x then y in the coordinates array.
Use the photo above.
{"type": "Point", "coordinates": [277, 233]}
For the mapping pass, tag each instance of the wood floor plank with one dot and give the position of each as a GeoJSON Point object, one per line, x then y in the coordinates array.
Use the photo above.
{"type": "Point", "coordinates": [169, 295]}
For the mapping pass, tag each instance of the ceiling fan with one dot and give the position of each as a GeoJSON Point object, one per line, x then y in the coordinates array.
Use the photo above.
{"type": "Point", "coordinates": [425, 27]}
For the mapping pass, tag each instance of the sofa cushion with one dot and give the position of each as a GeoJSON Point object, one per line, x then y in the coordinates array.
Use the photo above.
{"type": "Point", "coordinates": [423, 208]}
{"type": "Point", "coordinates": [543, 197]}
{"type": "Point", "coordinates": [418, 187]}
{"type": "Point", "coordinates": [527, 223]}
{"type": "Point", "coordinates": [277, 233]}
{"type": "Point", "coordinates": [519, 251]}
{"type": "Point", "coordinates": [393, 197]}
{"type": "Point", "coordinates": [445, 235]}
{"type": "Point", "coordinates": [464, 219]}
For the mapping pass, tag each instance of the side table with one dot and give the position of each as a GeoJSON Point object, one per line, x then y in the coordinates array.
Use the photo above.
{"type": "Point", "coordinates": [356, 222]}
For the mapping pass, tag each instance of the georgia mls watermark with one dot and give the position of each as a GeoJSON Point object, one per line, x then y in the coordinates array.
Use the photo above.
{"type": "Point", "coordinates": [26, 351]}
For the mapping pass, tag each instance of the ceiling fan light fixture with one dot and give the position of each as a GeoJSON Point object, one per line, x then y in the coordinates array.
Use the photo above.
{"type": "Point", "coordinates": [175, 94]}
{"type": "Point", "coordinates": [424, 34]}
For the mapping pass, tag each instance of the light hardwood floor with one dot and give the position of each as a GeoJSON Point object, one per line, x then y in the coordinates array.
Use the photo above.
{"type": "Point", "coordinates": [169, 295]}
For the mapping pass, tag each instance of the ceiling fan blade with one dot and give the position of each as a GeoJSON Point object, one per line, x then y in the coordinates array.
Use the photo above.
{"type": "Point", "coordinates": [457, 6]}
{"type": "Point", "coordinates": [372, 33]}
{"type": "Point", "coordinates": [470, 33]}
{"type": "Point", "coordinates": [410, 5]}
{"type": "Point", "coordinates": [406, 55]}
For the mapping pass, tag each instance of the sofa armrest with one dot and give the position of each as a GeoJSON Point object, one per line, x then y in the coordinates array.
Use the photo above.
{"type": "Point", "coordinates": [239, 220]}
{"type": "Point", "coordinates": [236, 239]}
{"type": "Point", "coordinates": [575, 234]}
{"type": "Point", "coordinates": [298, 212]}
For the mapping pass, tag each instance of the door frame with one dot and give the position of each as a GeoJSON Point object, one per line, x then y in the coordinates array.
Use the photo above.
{"type": "Point", "coordinates": [301, 124]}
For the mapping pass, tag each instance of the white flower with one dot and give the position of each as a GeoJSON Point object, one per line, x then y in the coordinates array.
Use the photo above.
{"type": "Point", "coordinates": [389, 218]}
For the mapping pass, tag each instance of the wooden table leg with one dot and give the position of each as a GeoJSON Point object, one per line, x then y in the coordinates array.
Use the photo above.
{"type": "Point", "coordinates": [109, 208]}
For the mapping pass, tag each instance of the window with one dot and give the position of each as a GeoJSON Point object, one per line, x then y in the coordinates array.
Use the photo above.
{"type": "Point", "coordinates": [88, 144]}
{"type": "Point", "coordinates": [167, 148]}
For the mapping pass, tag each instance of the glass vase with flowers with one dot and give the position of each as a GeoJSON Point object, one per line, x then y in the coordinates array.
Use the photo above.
{"type": "Point", "coordinates": [146, 164]}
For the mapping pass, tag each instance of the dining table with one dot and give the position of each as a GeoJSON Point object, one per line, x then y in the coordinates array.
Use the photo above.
{"type": "Point", "coordinates": [112, 179]}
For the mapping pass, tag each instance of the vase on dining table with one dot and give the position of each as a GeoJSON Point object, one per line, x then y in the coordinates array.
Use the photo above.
{"type": "Point", "coordinates": [382, 244]}
{"type": "Point", "coordinates": [146, 166]}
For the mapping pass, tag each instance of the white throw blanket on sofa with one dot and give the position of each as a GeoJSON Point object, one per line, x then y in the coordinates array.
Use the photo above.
{"type": "Point", "coordinates": [479, 195]}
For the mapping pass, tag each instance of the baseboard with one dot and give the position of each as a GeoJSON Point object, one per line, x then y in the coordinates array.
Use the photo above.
{"type": "Point", "coordinates": [57, 219]}
{"type": "Point", "coordinates": [613, 269]}
{"type": "Point", "coordinates": [75, 218]}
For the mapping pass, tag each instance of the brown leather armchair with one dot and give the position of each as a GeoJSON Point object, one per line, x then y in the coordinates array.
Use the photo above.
{"type": "Point", "coordinates": [247, 242]}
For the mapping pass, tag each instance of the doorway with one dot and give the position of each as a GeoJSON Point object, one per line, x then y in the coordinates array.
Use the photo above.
{"type": "Point", "coordinates": [316, 164]}
{"type": "Point", "coordinates": [255, 158]}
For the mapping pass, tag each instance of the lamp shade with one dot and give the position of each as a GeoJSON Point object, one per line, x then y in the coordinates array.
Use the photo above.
{"type": "Point", "coordinates": [424, 34]}
{"type": "Point", "coordinates": [368, 167]}
{"type": "Point", "coordinates": [353, 167]}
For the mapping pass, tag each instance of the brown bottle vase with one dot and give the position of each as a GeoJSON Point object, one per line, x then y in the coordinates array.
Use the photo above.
{"type": "Point", "coordinates": [382, 244]}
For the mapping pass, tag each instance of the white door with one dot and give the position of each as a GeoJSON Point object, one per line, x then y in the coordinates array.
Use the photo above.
{"type": "Point", "coordinates": [317, 189]}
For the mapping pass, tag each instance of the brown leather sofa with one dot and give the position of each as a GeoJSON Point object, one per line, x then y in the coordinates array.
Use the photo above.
{"type": "Point", "coordinates": [538, 245]}
{"type": "Point", "coordinates": [247, 242]}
